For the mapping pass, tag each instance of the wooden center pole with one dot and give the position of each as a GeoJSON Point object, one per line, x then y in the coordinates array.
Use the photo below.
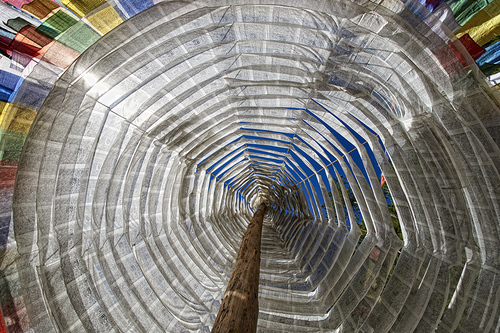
{"type": "Point", "coordinates": [239, 310]}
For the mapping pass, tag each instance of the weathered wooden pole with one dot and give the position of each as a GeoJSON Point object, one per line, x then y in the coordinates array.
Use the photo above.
{"type": "Point", "coordinates": [239, 310]}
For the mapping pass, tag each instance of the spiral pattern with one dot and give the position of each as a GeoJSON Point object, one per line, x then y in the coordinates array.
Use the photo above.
{"type": "Point", "coordinates": [146, 160]}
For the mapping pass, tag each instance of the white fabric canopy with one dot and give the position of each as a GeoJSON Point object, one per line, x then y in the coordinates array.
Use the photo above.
{"type": "Point", "coordinates": [143, 166]}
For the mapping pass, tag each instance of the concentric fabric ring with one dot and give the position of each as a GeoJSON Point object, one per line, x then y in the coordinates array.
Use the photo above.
{"type": "Point", "coordinates": [147, 158]}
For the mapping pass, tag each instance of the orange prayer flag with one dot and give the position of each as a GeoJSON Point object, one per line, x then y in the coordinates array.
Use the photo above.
{"type": "Point", "coordinates": [382, 180]}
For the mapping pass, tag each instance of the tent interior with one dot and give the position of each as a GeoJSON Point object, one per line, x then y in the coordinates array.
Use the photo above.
{"type": "Point", "coordinates": [138, 137]}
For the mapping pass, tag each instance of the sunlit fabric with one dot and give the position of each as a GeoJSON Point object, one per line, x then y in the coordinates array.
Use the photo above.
{"type": "Point", "coordinates": [484, 25]}
{"type": "Point", "coordinates": [146, 160]}
{"type": "Point", "coordinates": [464, 10]}
{"type": "Point", "coordinates": [490, 60]}
{"type": "Point", "coordinates": [40, 8]}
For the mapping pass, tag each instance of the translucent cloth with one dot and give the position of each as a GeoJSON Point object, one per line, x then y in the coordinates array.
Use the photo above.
{"type": "Point", "coordinates": [144, 163]}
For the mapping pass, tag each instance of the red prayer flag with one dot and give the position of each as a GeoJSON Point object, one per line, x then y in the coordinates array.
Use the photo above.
{"type": "Point", "coordinates": [472, 47]}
